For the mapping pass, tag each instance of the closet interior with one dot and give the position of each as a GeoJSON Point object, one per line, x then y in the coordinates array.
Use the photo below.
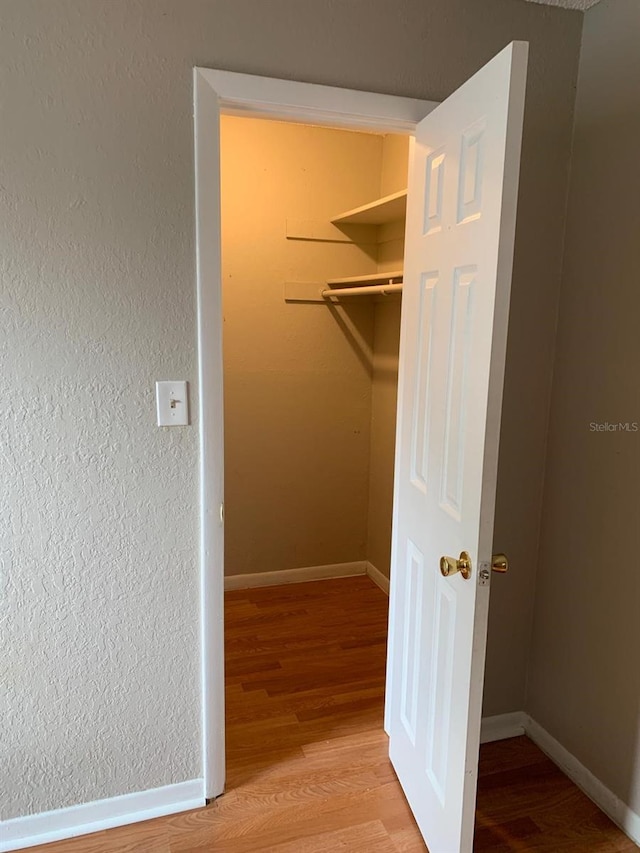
{"type": "Point", "coordinates": [312, 255]}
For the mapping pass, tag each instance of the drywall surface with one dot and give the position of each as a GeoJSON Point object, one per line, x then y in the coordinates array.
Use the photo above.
{"type": "Point", "coordinates": [99, 538]}
{"type": "Point", "coordinates": [99, 563]}
{"type": "Point", "coordinates": [386, 343]}
{"type": "Point", "coordinates": [584, 686]}
{"type": "Point", "coordinates": [395, 159]}
{"type": "Point", "coordinates": [297, 376]}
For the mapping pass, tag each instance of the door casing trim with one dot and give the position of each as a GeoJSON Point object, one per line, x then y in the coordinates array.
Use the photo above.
{"type": "Point", "coordinates": [227, 92]}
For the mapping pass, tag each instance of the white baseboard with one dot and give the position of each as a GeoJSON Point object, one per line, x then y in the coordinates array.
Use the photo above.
{"type": "Point", "coordinates": [21, 832]}
{"type": "Point", "coordinates": [619, 812]}
{"type": "Point", "coordinates": [502, 726]}
{"type": "Point", "coordinates": [378, 578]}
{"type": "Point", "coordinates": [307, 573]}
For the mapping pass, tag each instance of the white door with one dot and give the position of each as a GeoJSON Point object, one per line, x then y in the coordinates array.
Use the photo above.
{"type": "Point", "coordinates": [463, 183]}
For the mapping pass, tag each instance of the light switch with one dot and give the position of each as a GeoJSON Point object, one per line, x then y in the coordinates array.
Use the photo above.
{"type": "Point", "coordinates": [172, 403]}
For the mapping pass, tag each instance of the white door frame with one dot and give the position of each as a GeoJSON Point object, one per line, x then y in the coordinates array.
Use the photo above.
{"type": "Point", "coordinates": [283, 100]}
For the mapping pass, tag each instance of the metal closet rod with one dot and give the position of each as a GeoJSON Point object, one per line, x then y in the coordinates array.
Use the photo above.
{"type": "Point", "coordinates": [370, 290]}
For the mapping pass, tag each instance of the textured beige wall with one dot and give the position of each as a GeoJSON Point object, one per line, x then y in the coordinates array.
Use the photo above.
{"type": "Point", "coordinates": [99, 558]}
{"type": "Point", "coordinates": [584, 684]}
{"type": "Point", "coordinates": [297, 376]}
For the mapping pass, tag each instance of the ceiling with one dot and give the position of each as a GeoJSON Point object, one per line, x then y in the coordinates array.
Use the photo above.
{"type": "Point", "coordinates": [582, 5]}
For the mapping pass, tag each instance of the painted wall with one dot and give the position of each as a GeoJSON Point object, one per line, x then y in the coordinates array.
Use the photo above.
{"type": "Point", "coordinates": [310, 390]}
{"type": "Point", "coordinates": [297, 376]}
{"type": "Point", "coordinates": [99, 563]}
{"type": "Point", "coordinates": [584, 685]}
{"type": "Point", "coordinates": [386, 343]}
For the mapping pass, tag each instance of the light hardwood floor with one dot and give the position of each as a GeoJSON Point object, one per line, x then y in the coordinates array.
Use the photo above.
{"type": "Point", "coordinates": [307, 758]}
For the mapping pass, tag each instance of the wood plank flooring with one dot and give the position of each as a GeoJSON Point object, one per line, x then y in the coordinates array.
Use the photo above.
{"type": "Point", "coordinates": [307, 758]}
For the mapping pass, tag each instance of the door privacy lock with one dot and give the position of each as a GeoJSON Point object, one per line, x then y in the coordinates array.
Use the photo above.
{"type": "Point", "coordinates": [450, 566]}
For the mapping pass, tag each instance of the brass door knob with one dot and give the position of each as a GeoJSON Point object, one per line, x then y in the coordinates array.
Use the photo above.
{"type": "Point", "coordinates": [500, 563]}
{"type": "Point", "coordinates": [450, 566]}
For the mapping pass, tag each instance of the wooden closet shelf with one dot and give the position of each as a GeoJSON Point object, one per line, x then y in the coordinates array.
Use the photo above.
{"type": "Point", "coordinates": [387, 209]}
{"type": "Point", "coordinates": [376, 278]}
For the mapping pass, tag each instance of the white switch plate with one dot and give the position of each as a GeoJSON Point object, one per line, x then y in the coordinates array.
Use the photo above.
{"type": "Point", "coordinates": [172, 403]}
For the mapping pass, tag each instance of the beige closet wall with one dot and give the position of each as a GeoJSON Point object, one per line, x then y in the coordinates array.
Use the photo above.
{"type": "Point", "coordinates": [310, 390]}
{"type": "Point", "coordinates": [297, 376]}
{"type": "Point", "coordinates": [584, 684]}
{"type": "Point", "coordinates": [99, 553]}
{"type": "Point", "coordinates": [386, 343]}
